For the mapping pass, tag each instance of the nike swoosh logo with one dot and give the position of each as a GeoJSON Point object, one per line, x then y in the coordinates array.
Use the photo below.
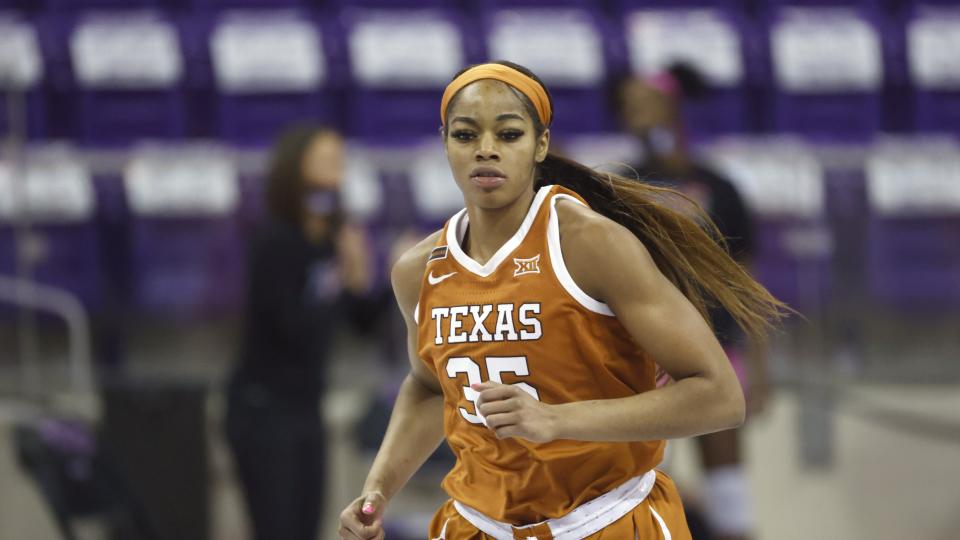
{"type": "Point", "coordinates": [434, 280]}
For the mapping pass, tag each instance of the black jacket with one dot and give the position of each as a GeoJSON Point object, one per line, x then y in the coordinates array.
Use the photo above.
{"type": "Point", "coordinates": [294, 306]}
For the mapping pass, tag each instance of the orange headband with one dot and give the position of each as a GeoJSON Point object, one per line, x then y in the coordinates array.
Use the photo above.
{"type": "Point", "coordinates": [526, 85]}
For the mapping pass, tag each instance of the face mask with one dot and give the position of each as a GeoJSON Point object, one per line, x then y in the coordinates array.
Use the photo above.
{"type": "Point", "coordinates": [662, 140]}
{"type": "Point", "coordinates": [322, 202]}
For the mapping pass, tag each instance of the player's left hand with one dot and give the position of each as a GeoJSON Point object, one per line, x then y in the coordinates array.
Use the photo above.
{"type": "Point", "coordinates": [511, 412]}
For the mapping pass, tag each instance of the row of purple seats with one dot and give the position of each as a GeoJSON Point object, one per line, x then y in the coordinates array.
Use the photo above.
{"type": "Point", "coordinates": [185, 246]}
{"type": "Point", "coordinates": [61, 247]}
{"type": "Point", "coordinates": [121, 247]}
{"type": "Point", "coordinates": [612, 5]}
{"type": "Point", "coordinates": [357, 92]}
{"type": "Point", "coordinates": [804, 214]}
{"type": "Point", "coordinates": [903, 252]}
{"type": "Point", "coordinates": [68, 258]}
{"type": "Point", "coordinates": [914, 263]}
{"type": "Point", "coordinates": [913, 231]}
{"type": "Point", "coordinates": [156, 241]}
{"type": "Point", "coordinates": [167, 93]}
{"type": "Point", "coordinates": [783, 184]}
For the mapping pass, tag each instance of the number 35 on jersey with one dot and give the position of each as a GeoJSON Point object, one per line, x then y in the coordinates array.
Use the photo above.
{"type": "Point", "coordinates": [496, 367]}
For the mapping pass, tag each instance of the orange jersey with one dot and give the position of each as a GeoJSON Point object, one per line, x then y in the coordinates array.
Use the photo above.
{"type": "Point", "coordinates": [520, 319]}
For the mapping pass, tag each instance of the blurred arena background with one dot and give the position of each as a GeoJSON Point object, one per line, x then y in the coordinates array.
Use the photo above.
{"type": "Point", "coordinates": [132, 169]}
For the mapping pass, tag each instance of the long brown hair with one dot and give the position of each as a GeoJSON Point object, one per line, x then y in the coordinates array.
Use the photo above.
{"type": "Point", "coordinates": [286, 186]}
{"type": "Point", "coordinates": [682, 239]}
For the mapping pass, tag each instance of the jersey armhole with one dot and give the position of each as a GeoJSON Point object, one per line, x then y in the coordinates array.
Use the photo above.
{"type": "Point", "coordinates": [416, 313]}
{"type": "Point", "coordinates": [560, 268]}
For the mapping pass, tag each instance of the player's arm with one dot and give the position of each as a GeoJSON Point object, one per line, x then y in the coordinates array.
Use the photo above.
{"type": "Point", "coordinates": [416, 424]}
{"type": "Point", "coordinates": [610, 264]}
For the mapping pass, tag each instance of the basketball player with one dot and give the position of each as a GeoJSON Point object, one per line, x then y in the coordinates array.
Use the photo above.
{"type": "Point", "coordinates": [538, 318]}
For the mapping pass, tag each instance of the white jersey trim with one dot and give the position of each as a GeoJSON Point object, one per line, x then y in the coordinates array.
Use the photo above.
{"type": "Point", "coordinates": [588, 518]}
{"type": "Point", "coordinates": [416, 313]}
{"type": "Point", "coordinates": [458, 226]}
{"type": "Point", "coordinates": [560, 268]}
{"type": "Point", "coordinates": [663, 525]}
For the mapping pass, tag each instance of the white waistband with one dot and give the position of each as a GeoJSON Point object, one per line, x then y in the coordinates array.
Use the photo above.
{"type": "Point", "coordinates": [582, 521]}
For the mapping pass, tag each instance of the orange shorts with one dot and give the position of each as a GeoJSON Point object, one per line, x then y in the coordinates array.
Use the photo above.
{"type": "Point", "coordinates": [659, 516]}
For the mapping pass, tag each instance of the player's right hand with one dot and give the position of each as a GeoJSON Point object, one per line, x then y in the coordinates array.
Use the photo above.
{"type": "Point", "coordinates": [362, 519]}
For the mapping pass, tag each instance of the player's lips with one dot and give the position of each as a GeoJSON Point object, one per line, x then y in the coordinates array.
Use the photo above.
{"type": "Point", "coordinates": [487, 177]}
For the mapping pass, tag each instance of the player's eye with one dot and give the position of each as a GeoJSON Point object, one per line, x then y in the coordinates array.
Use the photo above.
{"type": "Point", "coordinates": [463, 135]}
{"type": "Point", "coordinates": [511, 134]}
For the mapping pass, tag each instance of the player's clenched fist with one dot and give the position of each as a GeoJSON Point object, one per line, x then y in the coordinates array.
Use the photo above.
{"type": "Point", "coordinates": [362, 519]}
{"type": "Point", "coordinates": [511, 412]}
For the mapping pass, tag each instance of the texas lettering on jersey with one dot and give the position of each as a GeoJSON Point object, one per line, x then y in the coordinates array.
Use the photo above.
{"type": "Point", "coordinates": [519, 319]}
{"type": "Point", "coordinates": [487, 323]}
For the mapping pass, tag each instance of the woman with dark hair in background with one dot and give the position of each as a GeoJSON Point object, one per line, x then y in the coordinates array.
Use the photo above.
{"type": "Point", "coordinates": [538, 319]}
{"type": "Point", "coordinates": [651, 109]}
{"type": "Point", "coordinates": [307, 271]}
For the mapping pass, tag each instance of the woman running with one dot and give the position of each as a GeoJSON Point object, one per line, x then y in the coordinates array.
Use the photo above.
{"type": "Point", "coordinates": [539, 318]}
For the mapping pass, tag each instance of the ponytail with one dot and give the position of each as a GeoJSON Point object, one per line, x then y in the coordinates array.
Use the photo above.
{"type": "Point", "coordinates": [684, 242]}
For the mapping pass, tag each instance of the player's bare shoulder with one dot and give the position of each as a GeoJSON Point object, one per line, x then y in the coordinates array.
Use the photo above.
{"type": "Point", "coordinates": [407, 272]}
{"type": "Point", "coordinates": [596, 248]}
{"type": "Point", "coordinates": [576, 219]}
{"type": "Point", "coordinates": [583, 231]}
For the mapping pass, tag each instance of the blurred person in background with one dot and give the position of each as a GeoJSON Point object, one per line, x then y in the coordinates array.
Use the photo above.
{"type": "Point", "coordinates": [540, 369]}
{"type": "Point", "coordinates": [652, 109]}
{"type": "Point", "coordinates": [308, 271]}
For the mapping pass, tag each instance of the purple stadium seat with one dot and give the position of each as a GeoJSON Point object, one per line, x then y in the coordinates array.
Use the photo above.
{"type": "Point", "coordinates": [186, 266]}
{"type": "Point", "coordinates": [714, 42]}
{"type": "Point", "coordinates": [127, 72]}
{"type": "Point", "coordinates": [913, 238]}
{"type": "Point", "coordinates": [536, 36]}
{"type": "Point", "coordinates": [400, 61]}
{"type": "Point", "coordinates": [399, 4]}
{"type": "Point", "coordinates": [271, 70]}
{"type": "Point", "coordinates": [21, 68]}
{"type": "Point", "coordinates": [932, 36]}
{"type": "Point", "coordinates": [74, 5]}
{"type": "Point", "coordinates": [912, 266]}
{"type": "Point", "coordinates": [857, 4]}
{"type": "Point", "coordinates": [68, 260]}
{"type": "Point", "coordinates": [735, 6]}
{"type": "Point", "coordinates": [221, 4]}
{"type": "Point", "coordinates": [72, 262]}
{"type": "Point", "coordinates": [783, 185]}
{"type": "Point", "coordinates": [828, 72]}
{"type": "Point", "coordinates": [494, 5]}
{"type": "Point", "coordinates": [186, 255]}
{"type": "Point", "coordinates": [784, 266]}
{"type": "Point", "coordinates": [20, 5]}
{"type": "Point", "coordinates": [63, 242]}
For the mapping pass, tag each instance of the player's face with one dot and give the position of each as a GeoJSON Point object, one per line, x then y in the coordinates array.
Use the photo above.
{"type": "Point", "coordinates": [644, 107]}
{"type": "Point", "coordinates": [491, 144]}
{"type": "Point", "coordinates": [323, 162]}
